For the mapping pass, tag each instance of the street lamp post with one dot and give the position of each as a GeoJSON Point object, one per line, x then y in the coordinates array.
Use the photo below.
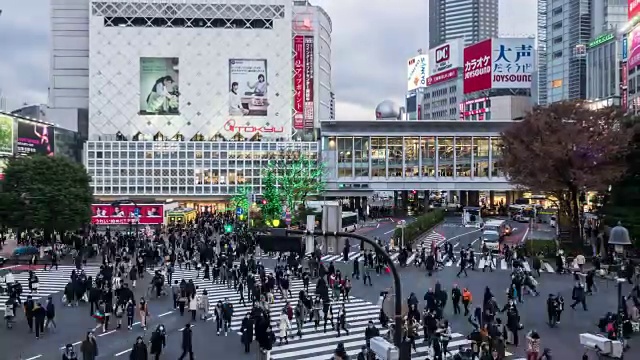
{"type": "Point", "coordinates": [619, 238]}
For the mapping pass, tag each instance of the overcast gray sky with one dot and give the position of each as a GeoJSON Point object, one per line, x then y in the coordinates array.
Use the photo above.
{"type": "Point", "coordinates": [371, 41]}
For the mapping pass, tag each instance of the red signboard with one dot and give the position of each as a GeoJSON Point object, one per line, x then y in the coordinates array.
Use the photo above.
{"type": "Point", "coordinates": [309, 60]}
{"type": "Point", "coordinates": [634, 8]}
{"type": "Point", "coordinates": [147, 214]}
{"type": "Point", "coordinates": [442, 77]}
{"type": "Point", "coordinates": [477, 67]}
{"type": "Point", "coordinates": [298, 82]}
{"type": "Point", "coordinates": [623, 85]}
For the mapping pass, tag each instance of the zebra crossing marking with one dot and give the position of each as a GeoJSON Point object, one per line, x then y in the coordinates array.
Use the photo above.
{"type": "Point", "coordinates": [50, 282]}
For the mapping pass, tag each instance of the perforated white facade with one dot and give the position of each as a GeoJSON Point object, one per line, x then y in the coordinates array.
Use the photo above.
{"type": "Point", "coordinates": [168, 68]}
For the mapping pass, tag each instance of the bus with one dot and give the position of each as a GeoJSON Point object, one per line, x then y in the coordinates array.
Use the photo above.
{"type": "Point", "coordinates": [349, 221]}
{"type": "Point", "coordinates": [522, 213]}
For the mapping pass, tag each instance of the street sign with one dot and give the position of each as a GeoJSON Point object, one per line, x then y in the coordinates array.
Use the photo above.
{"type": "Point", "coordinates": [239, 211]}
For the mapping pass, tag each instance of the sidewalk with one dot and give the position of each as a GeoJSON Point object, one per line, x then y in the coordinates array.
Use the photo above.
{"type": "Point", "coordinates": [10, 245]}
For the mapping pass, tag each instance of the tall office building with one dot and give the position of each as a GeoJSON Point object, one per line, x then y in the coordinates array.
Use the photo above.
{"type": "Point", "coordinates": [540, 96]}
{"type": "Point", "coordinates": [568, 31]}
{"type": "Point", "coordinates": [472, 20]}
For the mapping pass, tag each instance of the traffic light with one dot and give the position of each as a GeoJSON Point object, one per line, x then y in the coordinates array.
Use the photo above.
{"type": "Point", "coordinates": [277, 240]}
{"type": "Point", "coordinates": [228, 228]}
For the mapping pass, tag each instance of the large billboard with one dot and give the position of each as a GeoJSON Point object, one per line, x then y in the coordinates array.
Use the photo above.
{"type": "Point", "coordinates": [159, 93]}
{"type": "Point", "coordinates": [417, 72]}
{"type": "Point", "coordinates": [248, 87]}
{"type": "Point", "coordinates": [35, 138]}
{"type": "Point", "coordinates": [634, 47]}
{"type": "Point", "coordinates": [147, 214]}
{"type": "Point", "coordinates": [6, 135]}
{"type": "Point", "coordinates": [633, 9]}
{"type": "Point", "coordinates": [309, 61]}
{"type": "Point", "coordinates": [512, 63]}
{"type": "Point", "coordinates": [445, 57]}
{"type": "Point", "coordinates": [412, 106]}
{"type": "Point", "coordinates": [298, 82]}
{"type": "Point", "coordinates": [477, 67]}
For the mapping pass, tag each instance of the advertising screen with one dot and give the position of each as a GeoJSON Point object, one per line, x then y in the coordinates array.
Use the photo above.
{"type": "Point", "coordinates": [34, 138]}
{"type": "Point", "coordinates": [309, 60]}
{"type": "Point", "coordinates": [298, 82]}
{"type": "Point", "coordinates": [634, 47]}
{"type": "Point", "coordinates": [159, 93]}
{"type": "Point", "coordinates": [477, 67]}
{"type": "Point", "coordinates": [107, 214]}
{"type": "Point", "coordinates": [412, 106]}
{"type": "Point", "coordinates": [445, 57]}
{"type": "Point", "coordinates": [417, 72]}
{"type": "Point", "coordinates": [633, 9]}
{"type": "Point", "coordinates": [512, 63]}
{"type": "Point", "coordinates": [248, 87]}
{"type": "Point", "coordinates": [6, 135]}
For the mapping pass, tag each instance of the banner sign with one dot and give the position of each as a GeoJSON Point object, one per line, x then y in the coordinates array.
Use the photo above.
{"type": "Point", "coordinates": [442, 77]}
{"type": "Point", "coordinates": [34, 138]}
{"type": "Point", "coordinates": [445, 57]}
{"type": "Point", "coordinates": [298, 82]}
{"type": "Point", "coordinates": [309, 61]}
{"type": "Point", "coordinates": [477, 67]}
{"type": "Point", "coordinates": [107, 214]}
{"type": "Point", "coordinates": [633, 9]}
{"type": "Point", "coordinates": [417, 72]}
{"type": "Point", "coordinates": [623, 86]}
{"type": "Point", "coordinates": [512, 63]}
{"type": "Point", "coordinates": [634, 47]}
{"type": "Point", "coordinates": [6, 135]}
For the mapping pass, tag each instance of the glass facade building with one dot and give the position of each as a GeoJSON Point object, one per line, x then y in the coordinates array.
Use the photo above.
{"type": "Point", "coordinates": [471, 20]}
{"type": "Point", "coordinates": [416, 157]}
{"type": "Point", "coordinates": [177, 168]}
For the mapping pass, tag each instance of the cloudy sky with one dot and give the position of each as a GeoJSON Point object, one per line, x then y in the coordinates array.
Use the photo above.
{"type": "Point", "coordinates": [371, 41]}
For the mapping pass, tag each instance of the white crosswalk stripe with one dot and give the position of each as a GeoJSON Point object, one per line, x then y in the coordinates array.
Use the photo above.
{"type": "Point", "coordinates": [49, 282]}
{"type": "Point", "coordinates": [315, 344]}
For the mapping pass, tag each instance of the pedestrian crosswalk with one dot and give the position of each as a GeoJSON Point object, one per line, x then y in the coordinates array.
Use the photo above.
{"type": "Point", "coordinates": [315, 344]}
{"type": "Point", "coordinates": [499, 263]}
{"type": "Point", "coordinates": [49, 282]}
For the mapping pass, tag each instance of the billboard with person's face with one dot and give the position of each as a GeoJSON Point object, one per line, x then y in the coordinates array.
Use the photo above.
{"type": "Point", "coordinates": [35, 138]}
{"type": "Point", "coordinates": [159, 93]}
{"type": "Point", "coordinates": [248, 87]}
{"type": "Point", "coordinates": [6, 135]}
{"type": "Point", "coordinates": [123, 214]}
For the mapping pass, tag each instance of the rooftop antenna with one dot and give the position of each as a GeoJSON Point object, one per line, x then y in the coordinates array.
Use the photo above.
{"type": "Point", "coordinates": [420, 51]}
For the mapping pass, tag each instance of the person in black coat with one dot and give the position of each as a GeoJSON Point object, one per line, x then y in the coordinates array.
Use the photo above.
{"type": "Point", "coordinates": [187, 345]}
{"type": "Point", "coordinates": [158, 341]}
{"type": "Point", "coordinates": [139, 350]}
{"type": "Point", "coordinates": [267, 339]}
{"type": "Point", "coordinates": [247, 332]}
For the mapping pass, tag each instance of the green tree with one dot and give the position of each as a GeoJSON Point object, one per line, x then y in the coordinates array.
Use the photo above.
{"type": "Point", "coordinates": [48, 193]}
{"type": "Point", "coordinates": [241, 198]}
{"type": "Point", "coordinates": [297, 179]}
{"type": "Point", "coordinates": [271, 209]}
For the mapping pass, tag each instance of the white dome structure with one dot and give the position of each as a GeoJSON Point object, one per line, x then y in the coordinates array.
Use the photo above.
{"type": "Point", "coordinates": [388, 110]}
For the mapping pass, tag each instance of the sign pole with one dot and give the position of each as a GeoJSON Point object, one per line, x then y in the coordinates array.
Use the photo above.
{"type": "Point", "coordinates": [249, 200]}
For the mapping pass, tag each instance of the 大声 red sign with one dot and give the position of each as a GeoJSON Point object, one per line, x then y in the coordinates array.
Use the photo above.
{"type": "Point", "coordinates": [309, 60]}
{"type": "Point", "coordinates": [298, 82]}
{"type": "Point", "coordinates": [477, 67]}
{"type": "Point", "coordinates": [107, 214]}
{"type": "Point", "coordinates": [633, 9]}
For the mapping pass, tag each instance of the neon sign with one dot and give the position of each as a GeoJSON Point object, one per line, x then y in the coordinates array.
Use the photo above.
{"type": "Point", "coordinates": [231, 126]}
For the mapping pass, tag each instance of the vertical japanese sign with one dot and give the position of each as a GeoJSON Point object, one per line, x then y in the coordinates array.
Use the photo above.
{"type": "Point", "coordinates": [477, 67]}
{"type": "Point", "coordinates": [623, 86]}
{"type": "Point", "coordinates": [633, 9]}
{"type": "Point", "coordinates": [298, 82]}
{"type": "Point", "coordinates": [512, 63]}
{"type": "Point", "coordinates": [308, 80]}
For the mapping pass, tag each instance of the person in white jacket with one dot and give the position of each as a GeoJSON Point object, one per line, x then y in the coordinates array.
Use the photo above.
{"type": "Point", "coordinates": [193, 306]}
{"type": "Point", "coordinates": [203, 305]}
{"type": "Point", "coordinates": [285, 325]}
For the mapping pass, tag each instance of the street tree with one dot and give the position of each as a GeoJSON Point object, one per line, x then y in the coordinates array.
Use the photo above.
{"type": "Point", "coordinates": [241, 198]}
{"type": "Point", "coordinates": [47, 193]}
{"type": "Point", "coordinates": [271, 207]}
{"type": "Point", "coordinates": [297, 179]}
{"type": "Point", "coordinates": [564, 150]}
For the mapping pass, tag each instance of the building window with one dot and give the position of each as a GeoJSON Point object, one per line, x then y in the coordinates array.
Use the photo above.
{"type": "Point", "coordinates": [445, 156]}
{"type": "Point", "coordinates": [395, 156]}
{"type": "Point", "coordinates": [496, 154]}
{"type": "Point", "coordinates": [557, 40]}
{"type": "Point", "coordinates": [361, 156]}
{"type": "Point", "coordinates": [411, 156]}
{"type": "Point", "coordinates": [557, 54]}
{"type": "Point", "coordinates": [556, 83]}
{"type": "Point", "coordinates": [463, 156]}
{"type": "Point", "coordinates": [379, 156]}
{"type": "Point", "coordinates": [428, 148]}
{"type": "Point", "coordinates": [345, 157]}
{"type": "Point", "coordinates": [557, 11]}
{"type": "Point", "coordinates": [557, 25]}
{"type": "Point", "coordinates": [481, 156]}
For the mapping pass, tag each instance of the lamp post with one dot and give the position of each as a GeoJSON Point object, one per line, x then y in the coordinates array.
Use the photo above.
{"type": "Point", "coordinates": [619, 238]}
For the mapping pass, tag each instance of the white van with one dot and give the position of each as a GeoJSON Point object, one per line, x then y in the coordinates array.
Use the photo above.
{"type": "Point", "coordinates": [491, 239]}
{"type": "Point", "coordinates": [499, 226]}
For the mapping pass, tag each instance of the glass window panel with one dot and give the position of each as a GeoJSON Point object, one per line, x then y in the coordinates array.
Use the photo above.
{"type": "Point", "coordinates": [463, 156]}
{"type": "Point", "coordinates": [496, 154]}
{"type": "Point", "coordinates": [379, 154]}
{"type": "Point", "coordinates": [481, 156]}
{"type": "Point", "coordinates": [411, 156]}
{"type": "Point", "coordinates": [445, 156]}
{"type": "Point", "coordinates": [361, 156]}
{"type": "Point", "coordinates": [345, 157]}
{"type": "Point", "coordinates": [428, 148]}
{"type": "Point", "coordinates": [394, 145]}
